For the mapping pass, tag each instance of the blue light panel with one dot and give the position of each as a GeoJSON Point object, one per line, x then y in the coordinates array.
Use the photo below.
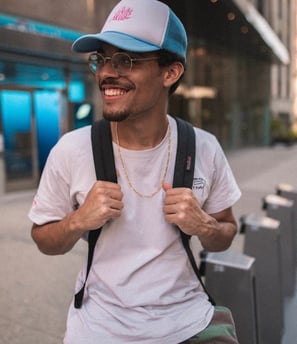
{"type": "Point", "coordinates": [38, 28]}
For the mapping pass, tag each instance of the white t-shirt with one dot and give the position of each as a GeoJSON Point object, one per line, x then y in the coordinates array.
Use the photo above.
{"type": "Point", "coordinates": [141, 287]}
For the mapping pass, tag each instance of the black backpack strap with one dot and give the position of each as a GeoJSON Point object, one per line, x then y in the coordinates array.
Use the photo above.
{"type": "Point", "coordinates": [105, 170]}
{"type": "Point", "coordinates": [183, 177]}
{"type": "Point", "coordinates": [103, 151]}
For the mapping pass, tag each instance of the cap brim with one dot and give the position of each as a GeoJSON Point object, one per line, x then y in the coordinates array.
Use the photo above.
{"type": "Point", "coordinates": [93, 42]}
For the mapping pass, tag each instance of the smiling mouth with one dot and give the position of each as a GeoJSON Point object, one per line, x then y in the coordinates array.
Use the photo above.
{"type": "Point", "coordinates": [112, 92]}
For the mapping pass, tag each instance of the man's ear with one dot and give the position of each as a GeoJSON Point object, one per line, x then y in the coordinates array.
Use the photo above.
{"type": "Point", "coordinates": [173, 73]}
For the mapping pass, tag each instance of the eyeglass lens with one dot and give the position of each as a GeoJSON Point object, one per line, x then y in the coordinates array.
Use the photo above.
{"type": "Point", "coordinates": [121, 62]}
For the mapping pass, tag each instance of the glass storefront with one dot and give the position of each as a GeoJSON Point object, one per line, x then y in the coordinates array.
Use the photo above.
{"type": "Point", "coordinates": [37, 106]}
{"type": "Point", "coordinates": [226, 94]}
{"type": "Point", "coordinates": [227, 87]}
{"type": "Point", "coordinates": [16, 112]}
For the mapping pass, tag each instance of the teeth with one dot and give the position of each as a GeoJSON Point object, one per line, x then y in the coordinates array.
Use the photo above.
{"type": "Point", "coordinates": [114, 92]}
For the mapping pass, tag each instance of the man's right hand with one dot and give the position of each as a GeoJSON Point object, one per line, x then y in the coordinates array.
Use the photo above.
{"type": "Point", "coordinates": [103, 203]}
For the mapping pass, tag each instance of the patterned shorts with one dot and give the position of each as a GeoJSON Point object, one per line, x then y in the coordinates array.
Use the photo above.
{"type": "Point", "coordinates": [221, 329]}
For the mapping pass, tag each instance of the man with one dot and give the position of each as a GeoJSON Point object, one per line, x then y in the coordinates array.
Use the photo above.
{"type": "Point", "coordinates": [141, 287]}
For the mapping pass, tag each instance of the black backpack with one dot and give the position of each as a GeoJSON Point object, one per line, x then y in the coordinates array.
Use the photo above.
{"type": "Point", "coordinates": [105, 170]}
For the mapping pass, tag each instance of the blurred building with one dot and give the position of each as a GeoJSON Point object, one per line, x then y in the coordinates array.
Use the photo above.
{"type": "Point", "coordinates": [281, 15]}
{"type": "Point", "coordinates": [45, 89]}
{"type": "Point", "coordinates": [240, 80]}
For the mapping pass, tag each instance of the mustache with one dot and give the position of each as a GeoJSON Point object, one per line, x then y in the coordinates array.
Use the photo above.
{"type": "Point", "coordinates": [113, 82]}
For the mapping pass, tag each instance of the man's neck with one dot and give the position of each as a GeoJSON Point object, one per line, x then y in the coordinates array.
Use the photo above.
{"type": "Point", "coordinates": [139, 135]}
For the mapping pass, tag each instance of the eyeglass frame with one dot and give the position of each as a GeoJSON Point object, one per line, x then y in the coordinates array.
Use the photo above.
{"type": "Point", "coordinates": [106, 58]}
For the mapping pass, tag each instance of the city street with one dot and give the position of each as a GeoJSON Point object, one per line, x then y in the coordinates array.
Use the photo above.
{"type": "Point", "coordinates": [35, 290]}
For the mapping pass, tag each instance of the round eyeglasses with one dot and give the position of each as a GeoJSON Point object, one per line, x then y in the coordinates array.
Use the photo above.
{"type": "Point", "coordinates": [121, 63]}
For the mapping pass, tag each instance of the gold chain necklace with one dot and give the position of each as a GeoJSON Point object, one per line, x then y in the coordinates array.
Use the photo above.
{"type": "Point", "coordinates": [152, 194]}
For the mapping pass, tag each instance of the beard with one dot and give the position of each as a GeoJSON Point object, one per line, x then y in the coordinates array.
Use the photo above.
{"type": "Point", "coordinates": [118, 116]}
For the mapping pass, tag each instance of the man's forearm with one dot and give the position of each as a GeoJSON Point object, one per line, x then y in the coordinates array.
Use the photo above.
{"type": "Point", "coordinates": [217, 235]}
{"type": "Point", "coordinates": [57, 237]}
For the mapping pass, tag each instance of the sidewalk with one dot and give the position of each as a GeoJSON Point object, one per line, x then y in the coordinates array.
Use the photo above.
{"type": "Point", "coordinates": [35, 290]}
{"type": "Point", "coordinates": [258, 172]}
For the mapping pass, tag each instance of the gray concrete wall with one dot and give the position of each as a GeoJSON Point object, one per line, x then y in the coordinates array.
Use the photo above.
{"type": "Point", "coordinates": [74, 14]}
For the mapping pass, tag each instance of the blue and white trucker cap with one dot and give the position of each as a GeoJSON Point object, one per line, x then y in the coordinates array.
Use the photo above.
{"type": "Point", "coordinates": [138, 26]}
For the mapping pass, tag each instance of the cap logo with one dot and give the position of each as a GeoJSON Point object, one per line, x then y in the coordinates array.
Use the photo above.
{"type": "Point", "coordinates": [123, 14]}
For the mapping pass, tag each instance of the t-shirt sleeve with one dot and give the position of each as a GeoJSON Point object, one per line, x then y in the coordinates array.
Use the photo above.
{"type": "Point", "coordinates": [52, 201]}
{"type": "Point", "coordinates": [224, 191]}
